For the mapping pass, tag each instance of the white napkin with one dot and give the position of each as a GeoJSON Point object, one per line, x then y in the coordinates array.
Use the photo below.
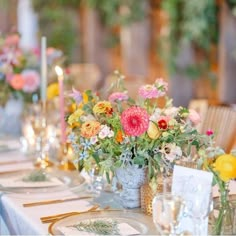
{"type": "Point", "coordinates": [16, 167]}
{"type": "Point", "coordinates": [9, 144]}
{"type": "Point", "coordinates": [17, 181]}
{"type": "Point", "coordinates": [124, 229]}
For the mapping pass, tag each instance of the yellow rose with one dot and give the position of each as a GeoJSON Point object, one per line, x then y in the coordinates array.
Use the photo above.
{"type": "Point", "coordinates": [52, 91]}
{"type": "Point", "coordinates": [90, 128]}
{"type": "Point", "coordinates": [153, 131]}
{"type": "Point", "coordinates": [225, 165]}
{"type": "Point", "coordinates": [73, 119]}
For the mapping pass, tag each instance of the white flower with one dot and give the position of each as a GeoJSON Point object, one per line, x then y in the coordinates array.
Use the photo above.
{"type": "Point", "coordinates": [172, 152]}
{"type": "Point", "coordinates": [171, 111]}
{"type": "Point", "coordinates": [93, 140]}
{"type": "Point", "coordinates": [156, 114]}
{"type": "Point", "coordinates": [86, 118]}
{"type": "Point", "coordinates": [105, 132]}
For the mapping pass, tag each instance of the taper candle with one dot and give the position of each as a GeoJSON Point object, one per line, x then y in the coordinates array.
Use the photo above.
{"type": "Point", "coordinates": [60, 76]}
{"type": "Point", "coordinates": [43, 87]}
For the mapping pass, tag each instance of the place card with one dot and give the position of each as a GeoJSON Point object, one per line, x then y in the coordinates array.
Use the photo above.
{"type": "Point", "coordinates": [195, 187]}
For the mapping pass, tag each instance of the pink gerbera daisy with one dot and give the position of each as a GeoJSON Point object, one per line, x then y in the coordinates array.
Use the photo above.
{"type": "Point", "coordinates": [135, 121]}
{"type": "Point", "coordinates": [118, 96]}
{"type": "Point", "coordinates": [148, 91]}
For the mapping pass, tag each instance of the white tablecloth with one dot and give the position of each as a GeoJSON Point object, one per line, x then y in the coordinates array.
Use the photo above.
{"type": "Point", "coordinates": [18, 220]}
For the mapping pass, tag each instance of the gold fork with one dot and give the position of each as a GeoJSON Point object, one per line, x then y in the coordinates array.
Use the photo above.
{"type": "Point", "coordinates": [49, 219]}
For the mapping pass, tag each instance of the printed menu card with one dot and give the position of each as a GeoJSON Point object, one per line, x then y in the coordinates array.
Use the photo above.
{"type": "Point", "coordinates": [195, 187]}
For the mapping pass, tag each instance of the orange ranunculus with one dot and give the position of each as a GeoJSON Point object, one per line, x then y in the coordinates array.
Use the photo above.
{"type": "Point", "coordinates": [90, 128]}
{"type": "Point", "coordinates": [153, 131]}
{"type": "Point", "coordinates": [103, 107]}
{"type": "Point", "coordinates": [119, 136]}
{"type": "Point", "coordinates": [225, 165]}
{"type": "Point", "coordinates": [17, 82]}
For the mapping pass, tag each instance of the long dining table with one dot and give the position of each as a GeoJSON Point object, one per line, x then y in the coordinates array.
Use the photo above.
{"type": "Point", "coordinates": [17, 219]}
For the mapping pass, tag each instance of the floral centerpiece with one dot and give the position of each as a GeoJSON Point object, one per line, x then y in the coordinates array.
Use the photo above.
{"type": "Point", "coordinates": [19, 70]}
{"type": "Point", "coordinates": [120, 132]}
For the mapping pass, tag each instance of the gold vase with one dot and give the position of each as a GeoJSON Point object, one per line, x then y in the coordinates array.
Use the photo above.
{"type": "Point", "coordinates": [147, 193]}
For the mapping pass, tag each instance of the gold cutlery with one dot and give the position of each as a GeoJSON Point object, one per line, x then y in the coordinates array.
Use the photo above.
{"type": "Point", "coordinates": [31, 204]}
{"type": "Point", "coordinates": [49, 219]}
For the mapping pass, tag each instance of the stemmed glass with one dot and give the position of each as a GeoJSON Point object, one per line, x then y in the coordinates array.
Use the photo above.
{"type": "Point", "coordinates": [37, 117]}
{"type": "Point", "coordinates": [167, 210]}
{"type": "Point", "coordinates": [198, 208]}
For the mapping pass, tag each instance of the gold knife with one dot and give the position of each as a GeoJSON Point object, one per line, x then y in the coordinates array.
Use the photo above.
{"type": "Point", "coordinates": [31, 204]}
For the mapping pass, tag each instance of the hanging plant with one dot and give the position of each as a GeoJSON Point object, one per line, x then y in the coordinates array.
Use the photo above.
{"type": "Point", "coordinates": [190, 22]}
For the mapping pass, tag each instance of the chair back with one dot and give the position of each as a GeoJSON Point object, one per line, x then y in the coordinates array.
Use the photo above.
{"type": "Point", "coordinates": [222, 121]}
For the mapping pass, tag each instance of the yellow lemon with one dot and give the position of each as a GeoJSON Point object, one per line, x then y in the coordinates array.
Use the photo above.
{"type": "Point", "coordinates": [225, 165]}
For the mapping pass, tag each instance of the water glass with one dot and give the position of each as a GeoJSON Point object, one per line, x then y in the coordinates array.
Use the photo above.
{"type": "Point", "coordinates": [167, 210]}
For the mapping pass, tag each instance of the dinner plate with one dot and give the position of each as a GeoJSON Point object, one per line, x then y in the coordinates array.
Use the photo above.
{"type": "Point", "coordinates": [69, 180]}
{"type": "Point", "coordinates": [139, 223]}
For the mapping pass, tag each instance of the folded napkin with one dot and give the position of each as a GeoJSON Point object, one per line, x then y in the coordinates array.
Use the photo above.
{"type": "Point", "coordinates": [17, 181]}
{"type": "Point", "coordinates": [9, 144]}
{"type": "Point", "coordinates": [124, 229]}
{"type": "Point", "coordinates": [16, 167]}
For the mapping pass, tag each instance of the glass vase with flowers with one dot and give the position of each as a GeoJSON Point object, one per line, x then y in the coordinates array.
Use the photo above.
{"type": "Point", "coordinates": [119, 132]}
{"type": "Point", "coordinates": [223, 167]}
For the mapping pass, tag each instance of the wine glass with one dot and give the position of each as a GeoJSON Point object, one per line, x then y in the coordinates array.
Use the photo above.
{"type": "Point", "coordinates": [38, 121]}
{"type": "Point", "coordinates": [167, 210]}
{"type": "Point", "coordinates": [198, 208]}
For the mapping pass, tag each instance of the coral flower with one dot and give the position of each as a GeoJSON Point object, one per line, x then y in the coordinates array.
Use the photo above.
{"type": "Point", "coordinates": [17, 82]}
{"type": "Point", "coordinates": [103, 107]}
{"type": "Point", "coordinates": [118, 96]}
{"type": "Point", "coordinates": [162, 124]}
{"type": "Point", "coordinates": [135, 121]}
{"type": "Point", "coordinates": [90, 128]}
{"type": "Point", "coordinates": [31, 81]}
{"type": "Point", "coordinates": [148, 91]}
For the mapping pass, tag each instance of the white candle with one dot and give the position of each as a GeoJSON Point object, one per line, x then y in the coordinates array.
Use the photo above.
{"type": "Point", "coordinates": [43, 91]}
{"type": "Point", "coordinates": [59, 72]}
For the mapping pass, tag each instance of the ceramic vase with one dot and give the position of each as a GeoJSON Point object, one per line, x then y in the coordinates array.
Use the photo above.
{"type": "Point", "coordinates": [131, 179]}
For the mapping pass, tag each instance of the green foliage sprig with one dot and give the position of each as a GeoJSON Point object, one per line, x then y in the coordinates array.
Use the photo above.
{"type": "Point", "coordinates": [100, 227]}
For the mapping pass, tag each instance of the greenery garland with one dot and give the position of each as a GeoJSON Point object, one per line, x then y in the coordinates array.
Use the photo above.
{"type": "Point", "coordinates": [190, 22]}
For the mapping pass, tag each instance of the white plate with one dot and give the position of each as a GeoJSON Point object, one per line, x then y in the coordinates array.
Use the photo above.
{"type": "Point", "coordinates": [138, 221]}
{"type": "Point", "coordinates": [70, 180]}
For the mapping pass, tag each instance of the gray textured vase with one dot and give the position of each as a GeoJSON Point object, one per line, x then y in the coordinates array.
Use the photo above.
{"type": "Point", "coordinates": [131, 178]}
{"type": "Point", "coordinates": [10, 117]}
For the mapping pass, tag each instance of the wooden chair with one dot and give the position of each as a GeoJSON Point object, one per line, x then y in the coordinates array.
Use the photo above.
{"type": "Point", "coordinates": [222, 121]}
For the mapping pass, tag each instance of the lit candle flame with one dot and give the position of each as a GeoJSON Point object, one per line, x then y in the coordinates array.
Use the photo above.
{"type": "Point", "coordinates": [59, 71]}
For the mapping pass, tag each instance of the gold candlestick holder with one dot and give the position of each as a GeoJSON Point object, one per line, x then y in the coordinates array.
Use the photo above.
{"type": "Point", "coordinates": [65, 157]}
